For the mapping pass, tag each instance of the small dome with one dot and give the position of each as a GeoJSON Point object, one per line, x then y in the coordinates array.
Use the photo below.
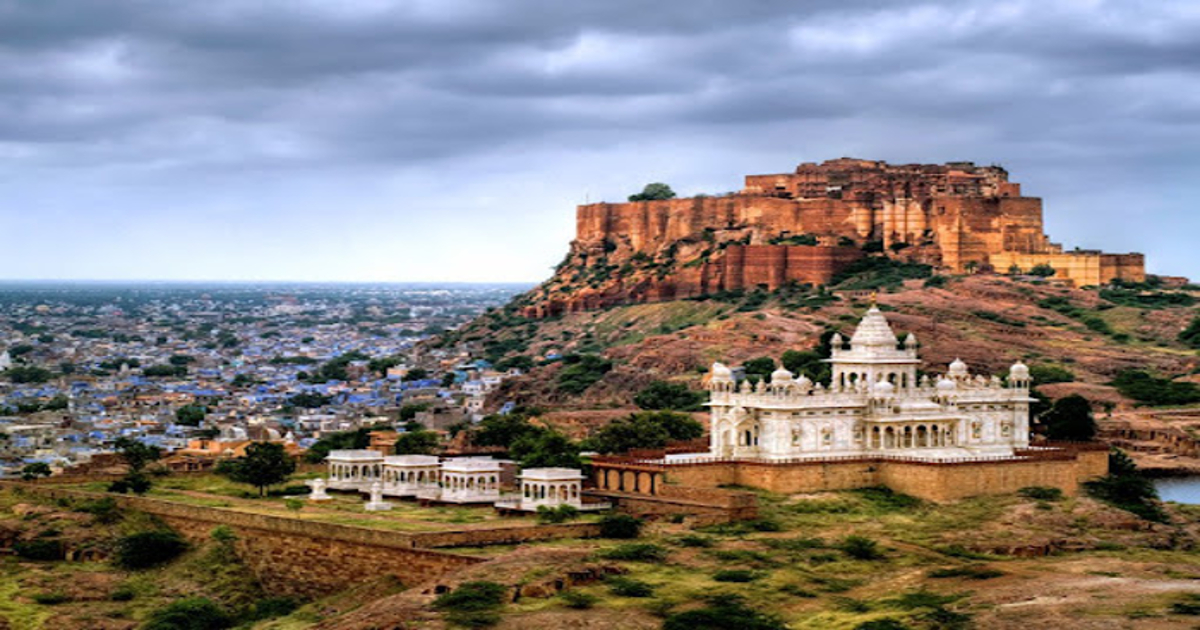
{"type": "Point", "coordinates": [780, 376]}
{"type": "Point", "coordinates": [911, 342]}
{"type": "Point", "coordinates": [958, 368]}
{"type": "Point", "coordinates": [883, 389]}
{"type": "Point", "coordinates": [721, 372]}
{"type": "Point", "coordinates": [1018, 372]}
{"type": "Point", "coordinates": [837, 341]}
{"type": "Point", "coordinates": [946, 385]}
{"type": "Point", "coordinates": [803, 382]}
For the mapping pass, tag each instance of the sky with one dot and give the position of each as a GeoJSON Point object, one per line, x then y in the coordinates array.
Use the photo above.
{"type": "Point", "coordinates": [450, 140]}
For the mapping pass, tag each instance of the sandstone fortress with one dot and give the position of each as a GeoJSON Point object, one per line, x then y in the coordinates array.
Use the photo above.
{"type": "Point", "coordinates": [808, 225]}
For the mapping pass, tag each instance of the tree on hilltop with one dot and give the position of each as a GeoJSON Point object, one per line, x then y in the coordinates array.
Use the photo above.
{"type": "Point", "coordinates": [265, 464]}
{"type": "Point", "coordinates": [656, 191]}
{"type": "Point", "coordinates": [1070, 419]}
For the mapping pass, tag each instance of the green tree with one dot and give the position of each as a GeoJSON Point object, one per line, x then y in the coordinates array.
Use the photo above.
{"type": "Point", "coordinates": [655, 191]}
{"type": "Point", "coordinates": [341, 440]}
{"type": "Point", "coordinates": [1043, 270]}
{"type": "Point", "coordinates": [809, 363]}
{"type": "Point", "coordinates": [417, 443]}
{"type": "Point", "coordinates": [448, 379]}
{"type": "Point", "coordinates": [545, 448]}
{"type": "Point", "coordinates": [35, 470]}
{"type": "Point", "coordinates": [1070, 419]}
{"type": "Point", "coordinates": [581, 372]}
{"type": "Point", "coordinates": [502, 430]}
{"type": "Point", "coordinates": [409, 411]}
{"type": "Point", "coordinates": [416, 374]}
{"type": "Point", "coordinates": [32, 374]}
{"type": "Point", "coordinates": [265, 464]}
{"type": "Point", "coordinates": [644, 430]}
{"type": "Point", "coordinates": [1190, 336]}
{"type": "Point", "coordinates": [663, 395]}
{"type": "Point", "coordinates": [190, 415]}
{"type": "Point", "coordinates": [194, 613]}
{"type": "Point", "coordinates": [136, 454]}
{"type": "Point", "coordinates": [180, 360]}
{"type": "Point", "coordinates": [759, 369]}
{"type": "Point", "coordinates": [309, 400]}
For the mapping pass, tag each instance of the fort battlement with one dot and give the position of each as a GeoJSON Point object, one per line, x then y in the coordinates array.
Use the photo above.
{"type": "Point", "coordinates": [808, 225]}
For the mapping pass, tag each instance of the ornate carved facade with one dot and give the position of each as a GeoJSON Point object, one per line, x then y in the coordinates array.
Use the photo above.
{"type": "Point", "coordinates": [876, 404]}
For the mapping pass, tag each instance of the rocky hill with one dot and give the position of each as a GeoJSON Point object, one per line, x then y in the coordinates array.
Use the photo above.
{"type": "Point", "coordinates": [1081, 338]}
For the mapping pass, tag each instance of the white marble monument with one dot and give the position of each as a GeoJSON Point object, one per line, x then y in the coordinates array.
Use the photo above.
{"type": "Point", "coordinates": [874, 405]}
{"type": "Point", "coordinates": [318, 491]}
{"type": "Point", "coordinates": [377, 504]}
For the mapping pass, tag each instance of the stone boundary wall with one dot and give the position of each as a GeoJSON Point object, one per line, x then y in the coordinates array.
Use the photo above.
{"type": "Point", "coordinates": [711, 504]}
{"type": "Point", "coordinates": [929, 481]}
{"type": "Point", "coordinates": [292, 557]}
{"type": "Point", "coordinates": [504, 535]}
{"type": "Point", "coordinates": [309, 559]}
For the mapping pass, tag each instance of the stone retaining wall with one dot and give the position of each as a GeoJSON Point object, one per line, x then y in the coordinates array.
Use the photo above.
{"type": "Point", "coordinates": [309, 559]}
{"type": "Point", "coordinates": [932, 482]}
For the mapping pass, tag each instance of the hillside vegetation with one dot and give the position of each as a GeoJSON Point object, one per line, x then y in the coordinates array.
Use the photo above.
{"type": "Point", "coordinates": [1084, 337]}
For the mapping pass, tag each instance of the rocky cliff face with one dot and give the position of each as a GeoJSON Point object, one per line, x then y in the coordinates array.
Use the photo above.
{"type": "Point", "coordinates": [803, 228]}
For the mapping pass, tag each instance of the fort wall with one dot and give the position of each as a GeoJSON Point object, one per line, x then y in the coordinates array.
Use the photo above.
{"type": "Point", "coordinates": [957, 217]}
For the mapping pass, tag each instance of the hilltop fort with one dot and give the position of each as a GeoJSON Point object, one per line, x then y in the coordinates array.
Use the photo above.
{"type": "Point", "coordinates": [807, 226]}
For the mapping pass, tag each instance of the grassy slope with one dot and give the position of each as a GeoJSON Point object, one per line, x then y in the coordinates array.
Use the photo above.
{"type": "Point", "coordinates": [988, 321]}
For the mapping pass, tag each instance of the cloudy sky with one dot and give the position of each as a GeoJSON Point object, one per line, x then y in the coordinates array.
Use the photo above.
{"type": "Point", "coordinates": [437, 140]}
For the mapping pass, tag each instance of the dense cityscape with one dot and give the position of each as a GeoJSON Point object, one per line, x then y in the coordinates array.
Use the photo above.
{"type": "Point", "coordinates": [205, 368]}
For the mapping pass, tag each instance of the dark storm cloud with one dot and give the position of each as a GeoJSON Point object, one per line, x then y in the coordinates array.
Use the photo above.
{"type": "Point", "coordinates": [187, 91]}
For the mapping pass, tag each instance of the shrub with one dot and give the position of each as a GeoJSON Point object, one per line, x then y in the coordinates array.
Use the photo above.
{"type": "Point", "coordinates": [795, 590]}
{"type": "Point", "coordinates": [195, 613]}
{"type": "Point", "coordinates": [661, 395]}
{"type": "Point", "coordinates": [560, 514]}
{"type": "Point", "coordinates": [1189, 606]}
{"type": "Point", "coordinates": [629, 587]}
{"type": "Point", "coordinates": [1190, 336]}
{"type": "Point", "coordinates": [272, 607]}
{"type": "Point", "coordinates": [1045, 374]}
{"type": "Point", "coordinates": [41, 549]}
{"type": "Point", "coordinates": [860, 548]}
{"type": "Point", "coordinates": [1041, 493]}
{"type": "Point", "coordinates": [885, 498]}
{"type": "Point", "coordinates": [691, 540]}
{"type": "Point", "coordinates": [795, 544]}
{"type": "Point", "coordinates": [1152, 390]}
{"type": "Point", "coordinates": [620, 526]}
{"type": "Point", "coordinates": [105, 511]}
{"type": "Point", "coordinates": [886, 623]}
{"type": "Point", "coordinates": [123, 593]}
{"type": "Point", "coordinates": [473, 604]}
{"type": "Point", "coordinates": [577, 599]}
{"type": "Point", "coordinates": [50, 599]}
{"type": "Point", "coordinates": [581, 372]}
{"type": "Point", "coordinates": [972, 572]}
{"type": "Point", "coordinates": [148, 549]}
{"type": "Point", "coordinates": [640, 552]}
{"type": "Point", "coordinates": [735, 575]}
{"type": "Point", "coordinates": [724, 612]}
{"type": "Point", "coordinates": [935, 282]}
{"type": "Point", "coordinates": [1126, 488]}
